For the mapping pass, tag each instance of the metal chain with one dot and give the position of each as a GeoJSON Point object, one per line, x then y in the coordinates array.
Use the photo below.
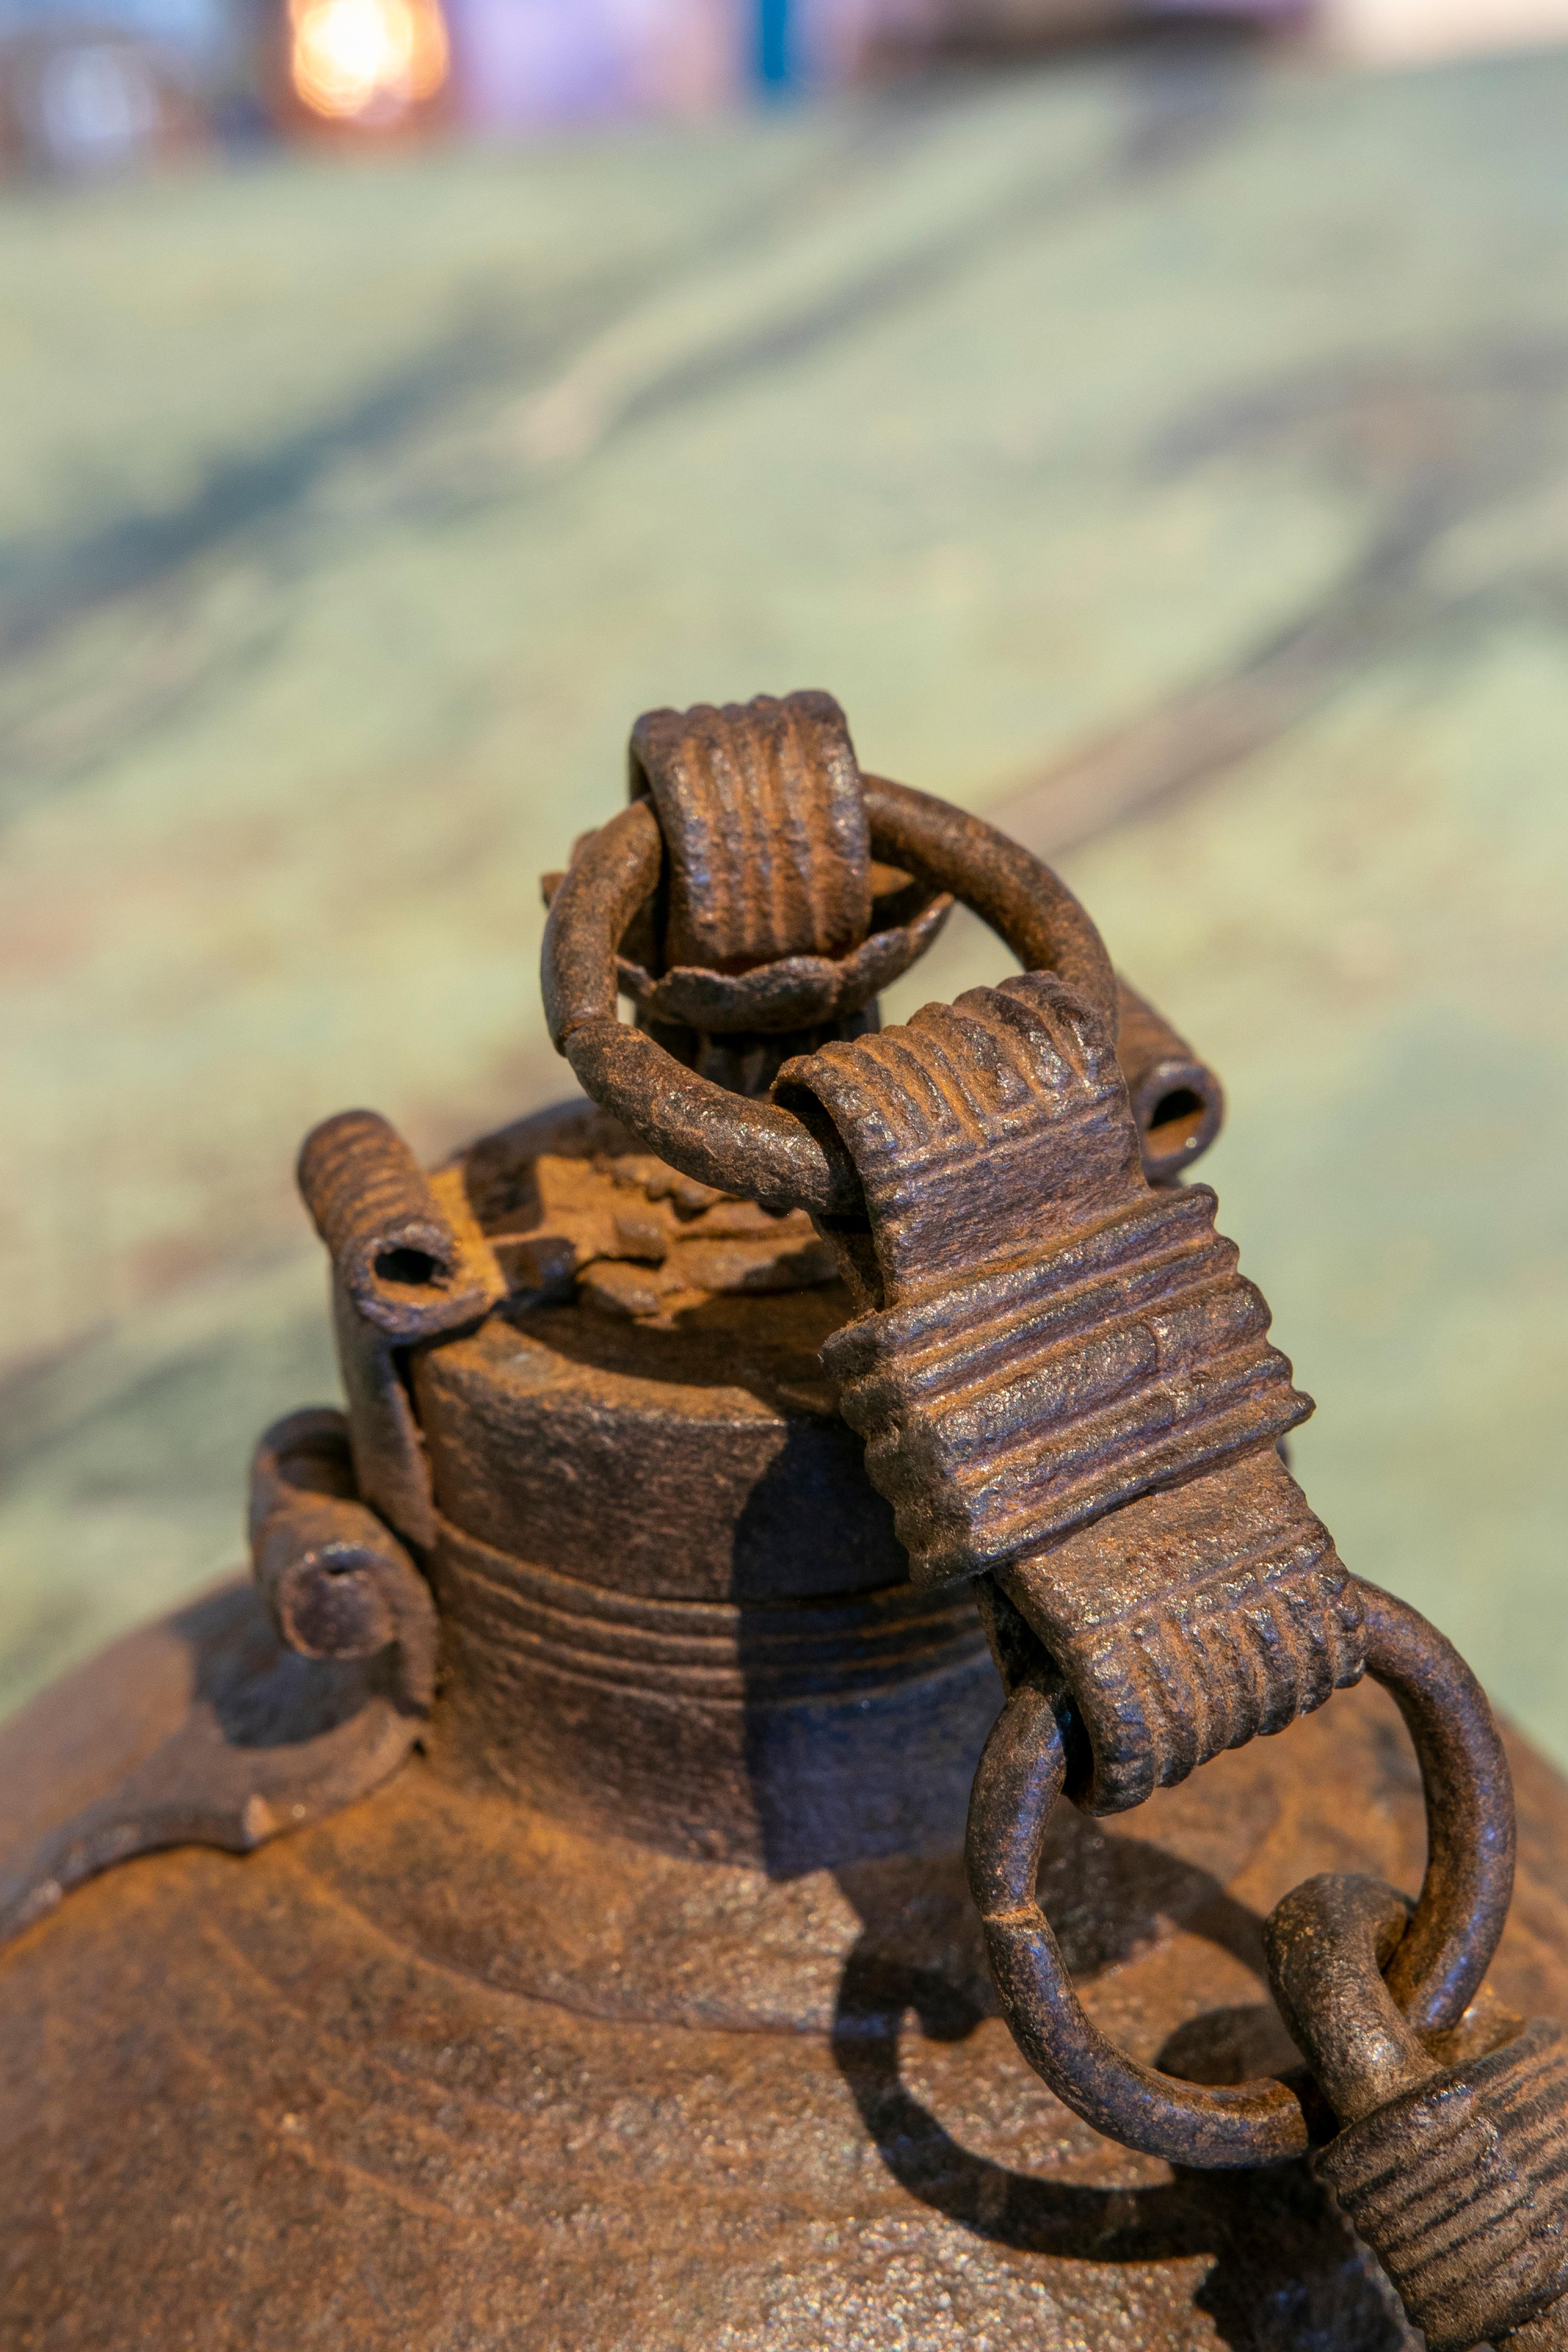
{"type": "Point", "coordinates": [1068, 1393]}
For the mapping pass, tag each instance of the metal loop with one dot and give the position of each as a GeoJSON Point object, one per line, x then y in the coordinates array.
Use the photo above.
{"type": "Point", "coordinates": [751, 1147]}
{"type": "Point", "coordinates": [1328, 1943]}
{"type": "Point", "coordinates": [1436, 1967]}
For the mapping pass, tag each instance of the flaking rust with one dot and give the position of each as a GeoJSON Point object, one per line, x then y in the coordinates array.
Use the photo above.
{"type": "Point", "coordinates": [778, 1637]}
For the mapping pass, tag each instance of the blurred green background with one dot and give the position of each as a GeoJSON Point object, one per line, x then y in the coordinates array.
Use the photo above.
{"type": "Point", "coordinates": [1168, 456]}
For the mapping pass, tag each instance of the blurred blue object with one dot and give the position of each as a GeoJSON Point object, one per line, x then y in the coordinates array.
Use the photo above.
{"type": "Point", "coordinates": [775, 45]}
{"type": "Point", "coordinates": [95, 86]}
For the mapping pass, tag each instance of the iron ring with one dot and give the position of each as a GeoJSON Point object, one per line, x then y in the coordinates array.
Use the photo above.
{"type": "Point", "coordinates": [1436, 1967]}
{"type": "Point", "coordinates": [751, 1147]}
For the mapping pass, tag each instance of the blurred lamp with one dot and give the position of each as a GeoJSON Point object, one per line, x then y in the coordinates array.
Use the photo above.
{"type": "Point", "coordinates": [367, 62]}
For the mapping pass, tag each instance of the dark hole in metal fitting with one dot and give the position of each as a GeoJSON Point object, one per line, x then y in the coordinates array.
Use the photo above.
{"type": "Point", "coordinates": [414, 1269]}
{"type": "Point", "coordinates": [1180, 1104]}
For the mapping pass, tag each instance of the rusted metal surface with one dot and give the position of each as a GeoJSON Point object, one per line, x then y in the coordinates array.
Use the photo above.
{"type": "Point", "coordinates": [337, 1582]}
{"type": "Point", "coordinates": [1178, 1102]}
{"type": "Point", "coordinates": [767, 853]}
{"type": "Point", "coordinates": [1062, 1379]}
{"type": "Point", "coordinates": [774, 917]}
{"type": "Point", "coordinates": [592, 2018]}
{"type": "Point", "coordinates": [642, 1240]}
{"type": "Point", "coordinates": [397, 1252]}
{"type": "Point", "coordinates": [259, 1709]}
{"type": "Point", "coordinates": [754, 1148]}
{"type": "Point", "coordinates": [1447, 1945]}
{"type": "Point", "coordinates": [1045, 1337]}
{"type": "Point", "coordinates": [1196, 1618]}
{"type": "Point", "coordinates": [1456, 2173]}
{"type": "Point", "coordinates": [672, 1604]}
{"type": "Point", "coordinates": [204, 1730]}
{"type": "Point", "coordinates": [409, 1265]}
{"type": "Point", "coordinates": [390, 1466]}
{"type": "Point", "coordinates": [1061, 1376]}
{"type": "Point", "coordinates": [445, 2066]}
{"type": "Point", "coordinates": [739, 1145]}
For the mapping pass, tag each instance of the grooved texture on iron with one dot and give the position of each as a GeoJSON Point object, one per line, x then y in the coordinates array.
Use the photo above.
{"type": "Point", "coordinates": [1065, 1380]}
{"type": "Point", "coordinates": [981, 1130]}
{"type": "Point", "coordinates": [367, 1192]}
{"type": "Point", "coordinates": [705, 1652]}
{"type": "Point", "coordinates": [999, 1411]}
{"type": "Point", "coordinates": [764, 827]}
{"type": "Point", "coordinates": [1199, 1618]}
{"type": "Point", "coordinates": [1461, 2188]}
